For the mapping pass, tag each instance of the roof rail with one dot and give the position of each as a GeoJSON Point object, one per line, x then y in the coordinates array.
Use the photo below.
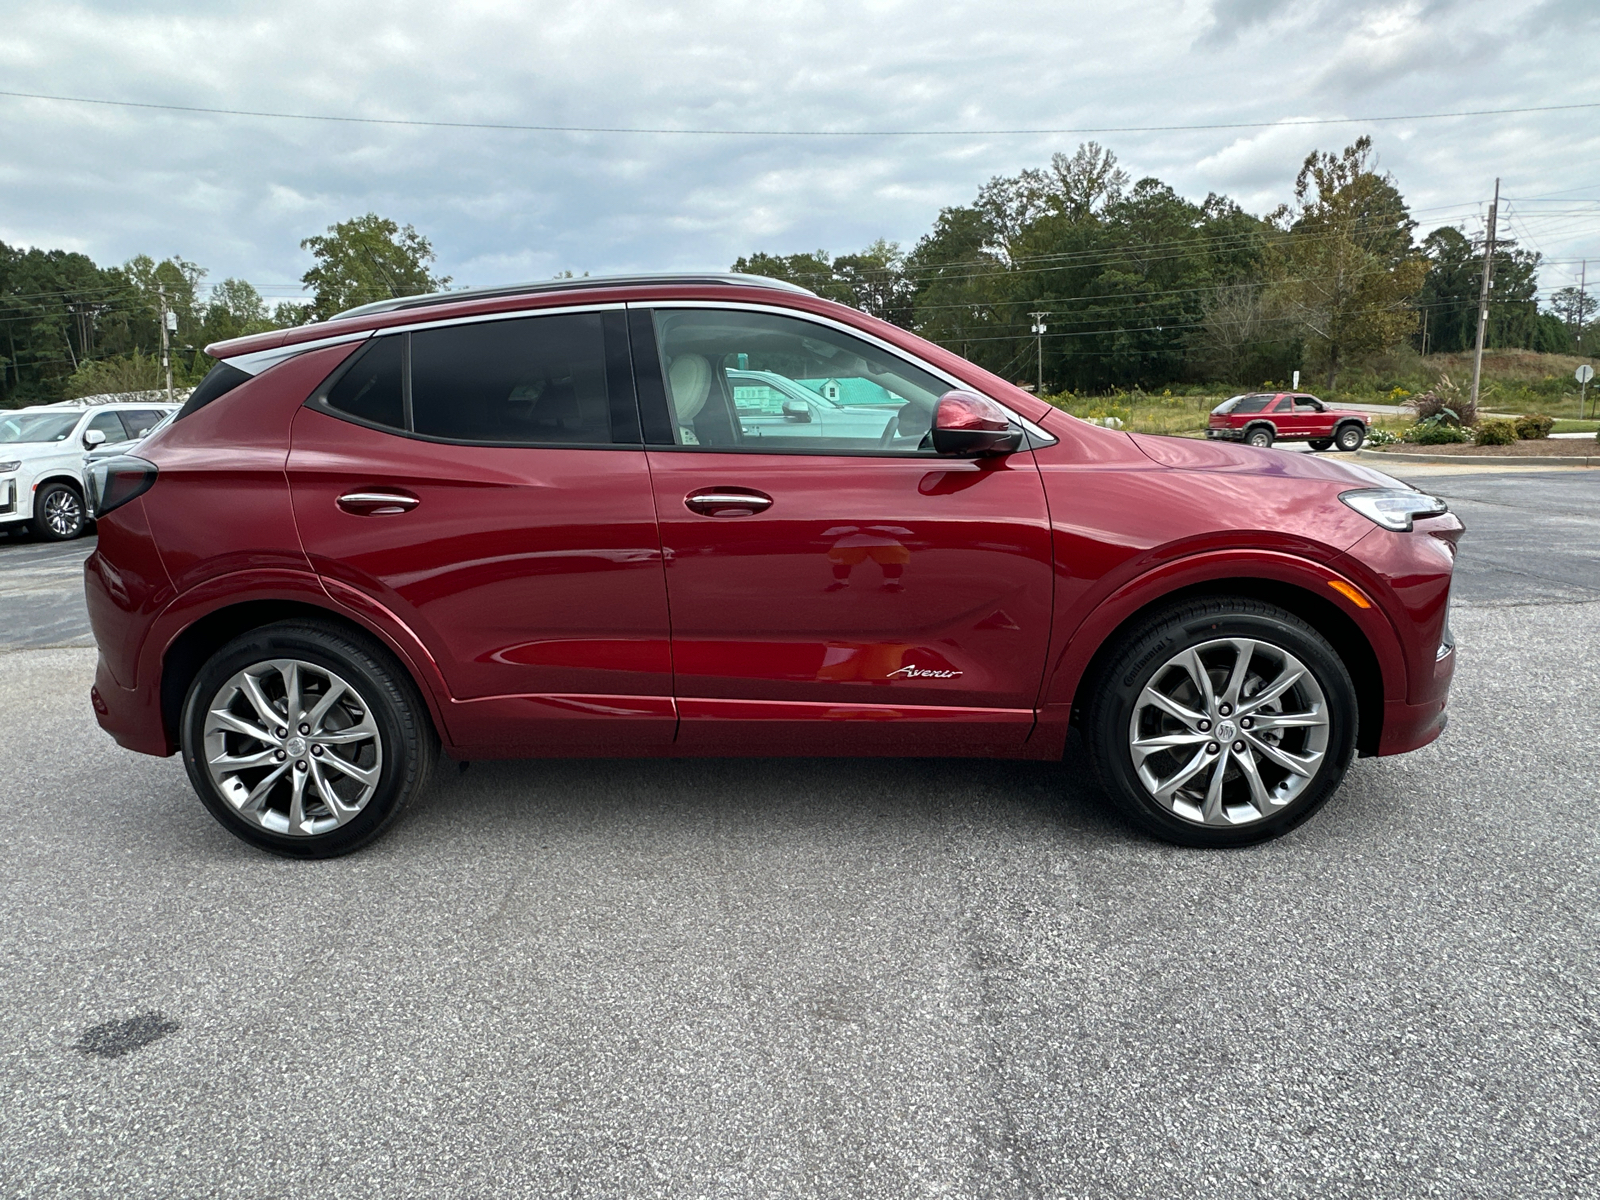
{"type": "Point", "coordinates": [569, 285]}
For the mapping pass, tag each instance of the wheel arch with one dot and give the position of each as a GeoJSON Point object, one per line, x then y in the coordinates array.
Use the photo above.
{"type": "Point", "coordinates": [186, 653]}
{"type": "Point", "coordinates": [1366, 645]}
{"type": "Point", "coordinates": [1263, 423]}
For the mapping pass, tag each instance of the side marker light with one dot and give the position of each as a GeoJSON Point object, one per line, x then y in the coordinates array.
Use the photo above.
{"type": "Point", "coordinates": [1350, 593]}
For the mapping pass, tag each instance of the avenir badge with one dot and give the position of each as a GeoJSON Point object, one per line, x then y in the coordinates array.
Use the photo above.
{"type": "Point", "coordinates": [922, 673]}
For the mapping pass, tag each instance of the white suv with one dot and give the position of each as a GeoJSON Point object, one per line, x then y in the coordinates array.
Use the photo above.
{"type": "Point", "coordinates": [41, 459]}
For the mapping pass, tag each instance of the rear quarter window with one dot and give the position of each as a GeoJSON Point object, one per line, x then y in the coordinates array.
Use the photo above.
{"type": "Point", "coordinates": [219, 381]}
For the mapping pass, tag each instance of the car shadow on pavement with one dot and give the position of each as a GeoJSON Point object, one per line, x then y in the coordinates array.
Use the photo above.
{"type": "Point", "coordinates": [754, 796]}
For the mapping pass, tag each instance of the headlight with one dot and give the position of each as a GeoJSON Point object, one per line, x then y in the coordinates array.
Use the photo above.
{"type": "Point", "coordinates": [1393, 508]}
{"type": "Point", "coordinates": [7, 467]}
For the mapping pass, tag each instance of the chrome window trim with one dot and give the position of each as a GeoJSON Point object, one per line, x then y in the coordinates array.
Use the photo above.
{"type": "Point", "coordinates": [261, 360]}
{"type": "Point", "coordinates": [1037, 437]}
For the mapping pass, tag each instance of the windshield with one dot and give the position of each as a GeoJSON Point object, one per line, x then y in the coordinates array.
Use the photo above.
{"type": "Point", "coordinates": [37, 427]}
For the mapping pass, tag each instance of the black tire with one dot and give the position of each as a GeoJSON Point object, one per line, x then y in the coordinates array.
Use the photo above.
{"type": "Point", "coordinates": [1349, 437]}
{"type": "Point", "coordinates": [409, 745]}
{"type": "Point", "coordinates": [1148, 650]}
{"type": "Point", "coordinates": [58, 512]}
{"type": "Point", "coordinates": [1320, 444]}
{"type": "Point", "coordinates": [1259, 436]}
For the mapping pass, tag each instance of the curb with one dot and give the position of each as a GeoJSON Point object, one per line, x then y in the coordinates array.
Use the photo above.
{"type": "Point", "coordinates": [1501, 462]}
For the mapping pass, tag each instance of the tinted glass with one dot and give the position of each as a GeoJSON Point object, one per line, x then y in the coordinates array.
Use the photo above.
{"type": "Point", "coordinates": [533, 380]}
{"type": "Point", "coordinates": [774, 383]}
{"type": "Point", "coordinates": [371, 388]}
{"type": "Point", "coordinates": [139, 422]}
{"type": "Point", "coordinates": [110, 424]}
{"type": "Point", "coordinates": [1250, 404]}
{"type": "Point", "coordinates": [219, 381]}
{"type": "Point", "coordinates": [1306, 404]}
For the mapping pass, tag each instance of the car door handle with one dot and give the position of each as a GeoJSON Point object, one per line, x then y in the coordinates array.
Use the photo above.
{"type": "Point", "coordinates": [727, 502]}
{"type": "Point", "coordinates": [377, 504]}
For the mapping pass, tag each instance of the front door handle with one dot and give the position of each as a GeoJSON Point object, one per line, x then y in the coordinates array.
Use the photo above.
{"type": "Point", "coordinates": [727, 502]}
{"type": "Point", "coordinates": [377, 504]}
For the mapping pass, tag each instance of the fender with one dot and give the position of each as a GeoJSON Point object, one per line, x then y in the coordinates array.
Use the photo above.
{"type": "Point", "coordinates": [303, 587]}
{"type": "Point", "coordinates": [1245, 432]}
{"type": "Point", "coordinates": [1063, 677]}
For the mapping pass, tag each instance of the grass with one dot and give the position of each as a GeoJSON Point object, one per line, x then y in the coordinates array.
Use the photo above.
{"type": "Point", "coordinates": [1514, 381]}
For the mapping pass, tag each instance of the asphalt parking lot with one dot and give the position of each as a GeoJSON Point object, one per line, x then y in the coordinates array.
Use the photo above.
{"type": "Point", "coordinates": [825, 978]}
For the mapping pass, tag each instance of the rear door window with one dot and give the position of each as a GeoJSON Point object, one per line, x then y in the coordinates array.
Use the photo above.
{"type": "Point", "coordinates": [528, 381]}
{"type": "Point", "coordinates": [139, 422]}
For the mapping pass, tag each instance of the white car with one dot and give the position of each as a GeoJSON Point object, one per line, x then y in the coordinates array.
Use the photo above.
{"type": "Point", "coordinates": [41, 459]}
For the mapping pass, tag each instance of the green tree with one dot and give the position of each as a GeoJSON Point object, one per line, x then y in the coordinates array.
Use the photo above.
{"type": "Point", "coordinates": [1449, 295]}
{"type": "Point", "coordinates": [366, 259]}
{"type": "Point", "coordinates": [1349, 275]}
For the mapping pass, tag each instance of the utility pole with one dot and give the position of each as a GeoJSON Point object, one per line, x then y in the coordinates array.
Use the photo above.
{"type": "Point", "coordinates": [1038, 336]}
{"type": "Point", "coordinates": [166, 350]}
{"type": "Point", "coordinates": [1424, 332]}
{"type": "Point", "coordinates": [1483, 295]}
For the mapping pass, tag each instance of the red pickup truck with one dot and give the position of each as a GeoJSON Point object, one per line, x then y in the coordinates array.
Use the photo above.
{"type": "Point", "coordinates": [1261, 418]}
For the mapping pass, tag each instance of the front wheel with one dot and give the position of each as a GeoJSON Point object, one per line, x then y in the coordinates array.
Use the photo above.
{"type": "Point", "coordinates": [58, 513]}
{"type": "Point", "coordinates": [1222, 722]}
{"type": "Point", "coordinates": [1259, 437]}
{"type": "Point", "coordinates": [1350, 437]}
{"type": "Point", "coordinates": [304, 740]}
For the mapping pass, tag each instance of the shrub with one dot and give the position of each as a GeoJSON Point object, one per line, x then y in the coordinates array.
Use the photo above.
{"type": "Point", "coordinates": [1532, 426]}
{"type": "Point", "coordinates": [1434, 432]}
{"type": "Point", "coordinates": [1495, 433]}
{"type": "Point", "coordinates": [1382, 437]}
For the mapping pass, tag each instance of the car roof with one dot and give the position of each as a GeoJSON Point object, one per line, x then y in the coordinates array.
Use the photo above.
{"type": "Point", "coordinates": [77, 406]}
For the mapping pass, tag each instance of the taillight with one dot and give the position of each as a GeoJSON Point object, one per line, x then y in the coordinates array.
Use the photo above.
{"type": "Point", "coordinates": [112, 482]}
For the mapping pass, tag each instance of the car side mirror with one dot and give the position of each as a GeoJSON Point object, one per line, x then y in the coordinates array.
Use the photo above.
{"type": "Point", "coordinates": [798, 411]}
{"type": "Point", "coordinates": [93, 438]}
{"type": "Point", "coordinates": [966, 423]}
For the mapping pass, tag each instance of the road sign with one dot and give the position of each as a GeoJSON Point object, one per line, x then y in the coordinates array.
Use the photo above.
{"type": "Point", "coordinates": [1584, 373]}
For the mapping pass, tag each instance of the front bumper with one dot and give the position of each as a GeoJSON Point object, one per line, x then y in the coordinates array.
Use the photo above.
{"type": "Point", "coordinates": [10, 500]}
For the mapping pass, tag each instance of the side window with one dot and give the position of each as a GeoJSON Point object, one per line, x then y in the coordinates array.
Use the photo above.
{"type": "Point", "coordinates": [109, 424]}
{"type": "Point", "coordinates": [372, 387]}
{"type": "Point", "coordinates": [139, 422]}
{"type": "Point", "coordinates": [768, 382]}
{"type": "Point", "coordinates": [1305, 404]}
{"type": "Point", "coordinates": [531, 380]}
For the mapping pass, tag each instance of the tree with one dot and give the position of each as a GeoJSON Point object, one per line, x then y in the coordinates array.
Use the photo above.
{"type": "Point", "coordinates": [1576, 310]}
{"type": "Point", "coordinates": [1449, 293]}
{"type": "Point", "coordinates": [873, 280]}
{"type": "Point", "coordinates": [367, 259]}
{"type": "Point", "coordinates": [1349, 275]}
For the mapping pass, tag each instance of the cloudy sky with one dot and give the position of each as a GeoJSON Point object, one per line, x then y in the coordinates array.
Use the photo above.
{"type": "Point", "coordinates": [236, 194]}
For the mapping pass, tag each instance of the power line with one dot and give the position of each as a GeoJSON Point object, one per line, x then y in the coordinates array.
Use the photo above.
{"type": "Point", "coordinates": [655, 130]}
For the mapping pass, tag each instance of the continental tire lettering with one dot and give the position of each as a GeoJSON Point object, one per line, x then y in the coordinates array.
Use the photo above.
{"type": "Point", "coordinates": [1127, 680]}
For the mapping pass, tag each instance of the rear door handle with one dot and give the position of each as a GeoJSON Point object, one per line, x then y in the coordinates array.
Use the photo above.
{"type": "Point", "coordinates": [377, 504]}
{"type": "Point", "coordinates": [727, 502]}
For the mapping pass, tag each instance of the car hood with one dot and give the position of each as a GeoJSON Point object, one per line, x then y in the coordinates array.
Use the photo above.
{"type": "Point", "coordinates": [31, 450]}
{"type": "Point", "coordinates": [1192, 454]}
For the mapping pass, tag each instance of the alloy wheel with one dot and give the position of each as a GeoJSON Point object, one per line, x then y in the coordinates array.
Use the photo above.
{"type": "Point", "coordinates": [292, 747]}
{"type": "Point", "coordinates": [1229, 732]}
{"type": "Point", "coordinates": [63, 512]}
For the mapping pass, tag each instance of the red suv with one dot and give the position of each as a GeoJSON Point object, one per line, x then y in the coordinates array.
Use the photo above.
{"type": "Point", "coordinates": [1261, 418]}
{"type": "Point", "coordinates": [539, 521]}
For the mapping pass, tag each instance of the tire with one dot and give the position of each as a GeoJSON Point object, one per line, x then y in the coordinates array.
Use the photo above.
{"type": "Point", "coordinates": [1219, 799]}
{"type": "Point", "coordinates": [376, 726]}
{"type": "Point", "coordinates": [1349, 437]}
{"type": "Point", "coordinates": [58, 512]}
{"type": "Point", "coordinates": [1320, 444]}
{"type": "Point", "coordinates": [1259, 436]}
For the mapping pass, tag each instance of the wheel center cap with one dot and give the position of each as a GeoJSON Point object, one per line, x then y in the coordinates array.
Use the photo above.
{"type": "Point", "coordinates": [1226, 731]}
{"type": "Point", "coordinates": [296, 746]}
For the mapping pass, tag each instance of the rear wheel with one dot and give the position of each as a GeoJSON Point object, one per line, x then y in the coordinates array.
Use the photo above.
{"type": "Point", "coordinates": [1222, 723]}
{"type": "Point", "coordinates": [58, 513]}
{"type": "Point", "coordinates": [1320, 444]}
{"type": "Point", "coordinates": [1259, 436]}
{"type": "Point", "coordinates": [1349, 437]}
{"type": "Point", "coordinates": [304, 740]}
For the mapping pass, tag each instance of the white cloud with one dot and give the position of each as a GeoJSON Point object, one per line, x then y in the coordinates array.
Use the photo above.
{"type": "Point", "coordinates": [237, 194]}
